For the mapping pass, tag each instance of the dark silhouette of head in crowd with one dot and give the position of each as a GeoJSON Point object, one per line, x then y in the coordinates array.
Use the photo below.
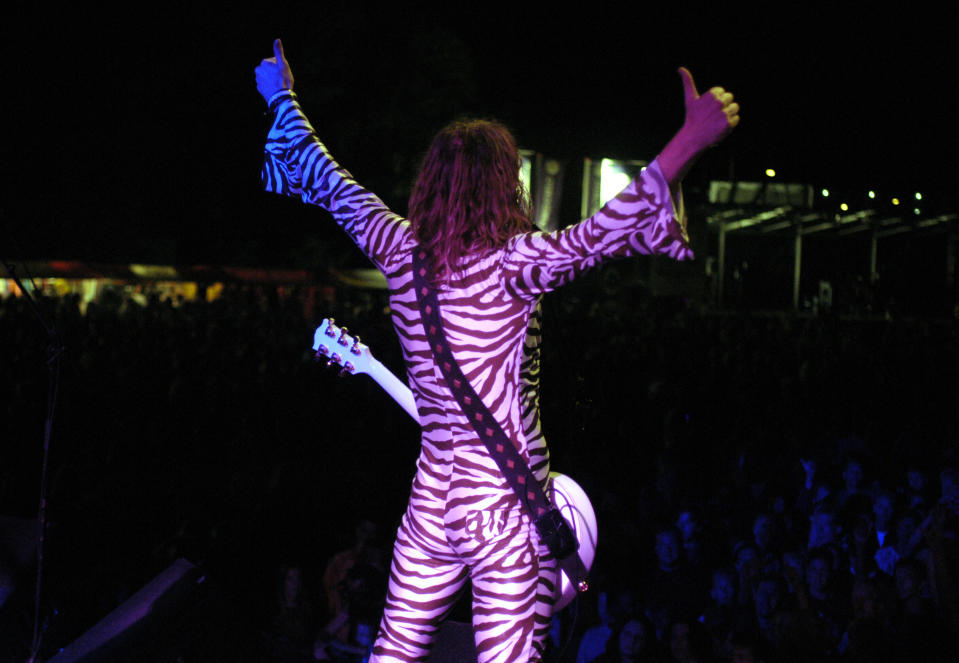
{"type": "Point", "coordinates": [746, 645]}
{"type": "Point", "coordinates": [635, 642]}
{"type": "Point", "coordinates": [824, 526]}
{"type": "Point", "coordinates": [669, 548]}
{"type": "Point", "coordinates": [688, 642]}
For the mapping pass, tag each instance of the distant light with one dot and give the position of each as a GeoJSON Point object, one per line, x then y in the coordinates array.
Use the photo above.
{"type": "Point", "coordinates": [915, 211]}
{"type": "Point", "coordinates": [825, 193]}
{"type": "Point", "coordinates": [844, 207]}
{"type": "Point", "coordinates": [895, 201]}
{"type": "Point", "coordinates": [872, 195]}
{"type": "Point", "coordinates": [770, 172]}
{"type": "Point", "coordinates": [526, 173]}
{"type": "Point", "coordinates": [918, 196]}
{"type": "Point", "coordinates": [614, 177]}
{"type": "Point", "coordinates": [154, 271]}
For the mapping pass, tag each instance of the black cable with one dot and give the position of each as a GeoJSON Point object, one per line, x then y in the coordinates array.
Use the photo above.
{"type": "Point", "coordinates": [54, 353]}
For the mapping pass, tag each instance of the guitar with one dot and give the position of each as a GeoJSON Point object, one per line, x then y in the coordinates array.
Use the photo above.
{"type": "Point", "coordinates": [339, 347]}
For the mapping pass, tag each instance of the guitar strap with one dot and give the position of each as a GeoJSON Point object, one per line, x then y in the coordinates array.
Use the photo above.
{"type": "Point", "coordinates": [553, 529]}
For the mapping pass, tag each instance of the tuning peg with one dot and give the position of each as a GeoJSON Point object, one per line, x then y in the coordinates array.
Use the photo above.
{"type": "Point", "coordinates": [329, 329]}
{"type": "Point", "coordinates": [334, 359]}
{"type": "Point", "coordinates": [356, 345]}
{"type": "Point", "coordinates": [347, 369]}
{"type": "Point", "coordinates": [321, 352]}
{"type": "Point", "coordinates": [342, 340]}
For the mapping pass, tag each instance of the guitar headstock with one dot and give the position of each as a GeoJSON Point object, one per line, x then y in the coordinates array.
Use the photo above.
{"type": "Point", "coordinates": [341, 348]}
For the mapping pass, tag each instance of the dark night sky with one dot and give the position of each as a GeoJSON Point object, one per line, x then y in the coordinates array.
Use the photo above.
{"type": "Point", "coordinates": [136, 135]}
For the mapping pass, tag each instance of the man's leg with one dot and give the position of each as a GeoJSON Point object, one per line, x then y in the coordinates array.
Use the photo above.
{"type": "Point", "coordinates": [421, 592]}
{"type": "Point", "coordinates": [512, 602]}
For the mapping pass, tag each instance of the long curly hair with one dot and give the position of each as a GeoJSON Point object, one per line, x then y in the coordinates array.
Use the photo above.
{"type": "Point", "coordinates": [468, 198]}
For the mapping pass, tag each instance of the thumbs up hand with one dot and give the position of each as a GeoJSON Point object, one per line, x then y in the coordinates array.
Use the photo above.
{"type": "Point", "coordinates": [709, 118]}
{"type": "Point", "coordinates": [274, 74]}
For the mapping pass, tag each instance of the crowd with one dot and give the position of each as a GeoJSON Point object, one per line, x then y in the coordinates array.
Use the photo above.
{"type": "Point", "coordinates": [768, 487]}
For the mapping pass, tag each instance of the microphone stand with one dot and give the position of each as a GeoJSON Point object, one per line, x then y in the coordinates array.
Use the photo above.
{"type": "Point", "coordinates": [54, 353]}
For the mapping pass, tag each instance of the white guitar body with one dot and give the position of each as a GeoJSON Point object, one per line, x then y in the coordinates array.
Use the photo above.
{"type": "Point", "coordinates": [566, 495]}
{"type": "Point", "coordinates": [571, 500]}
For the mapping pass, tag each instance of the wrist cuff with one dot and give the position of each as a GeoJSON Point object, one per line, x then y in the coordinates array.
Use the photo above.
{"type": "Point", "coordinates": [276, 95]}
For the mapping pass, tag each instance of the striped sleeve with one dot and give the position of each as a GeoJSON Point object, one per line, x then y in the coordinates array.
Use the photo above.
{"type": "Point", "coordinates": [297, 164]}
{"type": "Point", "coordinates": [643, 219]}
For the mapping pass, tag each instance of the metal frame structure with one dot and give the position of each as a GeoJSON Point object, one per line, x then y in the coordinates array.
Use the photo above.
{"type": "Point", "coordinates": [772, 208]}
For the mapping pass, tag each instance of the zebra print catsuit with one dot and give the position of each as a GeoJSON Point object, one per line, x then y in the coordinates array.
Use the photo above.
{"type": "Point", "coordinates": [463, 520]}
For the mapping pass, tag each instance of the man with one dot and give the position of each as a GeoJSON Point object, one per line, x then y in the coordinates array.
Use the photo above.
{"type": "Point", "coordinates": [674, 590]}
{"type": "Point", "coordinates": [468, 213]}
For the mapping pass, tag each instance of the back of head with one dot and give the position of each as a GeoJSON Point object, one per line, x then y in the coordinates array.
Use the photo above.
{"type": "Point", "coordinates": [467, 198]}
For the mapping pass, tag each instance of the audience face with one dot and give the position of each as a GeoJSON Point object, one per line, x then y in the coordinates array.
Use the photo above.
{"type": "Point", "coordinates": [763, 530]}
{"type": "Point", "coordinates": [916, 480]}
{"type": "Point", "coordinates": [744, 556]}
{"type": "Point", "coordinates": [852, 475]}
{"type": "Point", "coordinates": [668, 547]}
{"type": "Point", "coordinates": [779, 505]}
{"type": "Point", "coordinates": [632, 638]}
{"type": "Point", "coordinates": [949, 482]}
{"type": "Point", "coordinates": [793, 568]}
{"type": "Point", "coordinates": [724, 589]}
{"type": "Point", "coordinates": [905, 528]}
{"type": "Point", "coordinates": [794, 560]}
{"type": "Point", "coordinates": [766, 598]}
{"type": "Point", "coordinates": [822, 529]}
{"type": "Point", "coordinates": [748, 564]}
{"type": "Point", "coordinates": [687, 524]}
{"type": "Point", "coordinates": [883, 509]}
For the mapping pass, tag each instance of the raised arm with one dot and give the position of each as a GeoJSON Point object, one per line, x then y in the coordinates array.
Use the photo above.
{"type": "Point", "coordinates": [647, 217]}
{"type": "Point", "coordinates": [298, 164]}
{"type": "Point", "coordinates": [641, 220]}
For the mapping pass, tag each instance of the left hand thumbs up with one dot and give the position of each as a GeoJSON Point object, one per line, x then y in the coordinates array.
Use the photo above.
{"type": "Point", "coordinates": [274, 74]}
{"type": "Point", "coordinates": [709, 117]}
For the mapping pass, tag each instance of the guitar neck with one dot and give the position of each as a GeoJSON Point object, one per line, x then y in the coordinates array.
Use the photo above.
{"type": "Point", "coordinates": [394, 387]}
